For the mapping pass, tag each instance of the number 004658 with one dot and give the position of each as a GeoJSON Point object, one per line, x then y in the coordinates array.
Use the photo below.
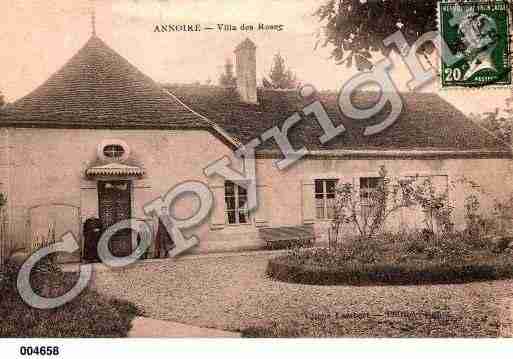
{"type": "Point", "coordinates": [39, 350]}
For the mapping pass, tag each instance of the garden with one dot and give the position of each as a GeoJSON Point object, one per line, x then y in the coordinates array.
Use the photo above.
{"type": "Point", "coordinates": [390, 259]}
{"type": "Point", "coordinates": [89, 315]}
{"type": "Point", "coordinates": [362, 252]}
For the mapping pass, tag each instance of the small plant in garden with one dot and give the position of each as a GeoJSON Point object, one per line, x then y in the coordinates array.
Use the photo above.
{"type": "Point", "coordinates": [503, 212]}
{"type": "Point", "coordinates": [477, 225]}
{"type": "Point", "coordinates": [434, 203]}
{"type": "Point", "coordinates": [368, 212]}
{"type": "Point", "coordinates": [472, 216]}
{"type": "Point", "coordinates": [41, 241]}
{"type": "Point", "coordinates": [488, 222]}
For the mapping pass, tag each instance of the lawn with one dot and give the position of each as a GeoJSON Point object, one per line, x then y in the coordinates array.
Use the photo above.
{"type": "Point", "coordinates": [233, 292]}
{"type": "Point", "coordinates": [88, 315]}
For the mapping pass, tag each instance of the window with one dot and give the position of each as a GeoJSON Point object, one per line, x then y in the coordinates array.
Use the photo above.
{"type": "Point", "coordinates": [236, 199]}
{"type": "Point", "coordinates": [113, 151]}
{"type": "Point", "coordinates": [369, 192]}
{"type": "Point", "coordinates": [325, 198]}
{"type": "Point", "coordinates": [369, 186]}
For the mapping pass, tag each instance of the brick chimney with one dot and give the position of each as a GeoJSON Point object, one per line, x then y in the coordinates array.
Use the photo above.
{"type": "Point", "coordinates": [245, 63]}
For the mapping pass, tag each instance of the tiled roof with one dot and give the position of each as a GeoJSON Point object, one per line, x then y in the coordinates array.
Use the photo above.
{"type": "Point", "coordinates": [427, 121]}
{"type": "Point", "coordinates": [98, 88]}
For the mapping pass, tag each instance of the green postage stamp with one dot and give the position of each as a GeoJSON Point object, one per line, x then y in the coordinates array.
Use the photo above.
{"type": "Point", "coordinates": [478, 45]}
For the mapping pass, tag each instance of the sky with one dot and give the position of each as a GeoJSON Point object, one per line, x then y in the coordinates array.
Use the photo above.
{"type": "Point", "coordinates": [39, 36]}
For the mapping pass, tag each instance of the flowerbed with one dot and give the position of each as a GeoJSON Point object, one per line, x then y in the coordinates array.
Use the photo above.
{"type": "Point", "coordinates": [397, 260]}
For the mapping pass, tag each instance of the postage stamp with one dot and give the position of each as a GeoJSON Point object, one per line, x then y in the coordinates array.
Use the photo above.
{"type": "Point", "coordinates": [477, 36]}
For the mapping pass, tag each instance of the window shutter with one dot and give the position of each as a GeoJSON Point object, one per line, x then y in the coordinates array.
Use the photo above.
{"type": "Point", "coordinates": [217, 218]}
{"type": "Point", "coordinates": [264, 205]}
{"type": "Point", "coordinates": [308, 201]}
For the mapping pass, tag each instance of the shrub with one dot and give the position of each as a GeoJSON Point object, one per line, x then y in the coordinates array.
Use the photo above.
{"type": "Point", "coordinates": [369, 213]}
{"type": "Point", "coordinates": [88, 315]}
{"type": "Point", "coordinates": [389, 274]}
{"type": "Point", "coordinates": [394, 259]}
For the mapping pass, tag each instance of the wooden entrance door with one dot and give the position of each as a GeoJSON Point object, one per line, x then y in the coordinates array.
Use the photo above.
{"type": "Point", "coordinates": [114, 206]}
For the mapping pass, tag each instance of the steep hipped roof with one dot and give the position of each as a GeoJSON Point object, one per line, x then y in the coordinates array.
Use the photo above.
{"type": "Point", "coordinates": [427, 121]}
{"type": "Point", "coordinates": [98, 88]}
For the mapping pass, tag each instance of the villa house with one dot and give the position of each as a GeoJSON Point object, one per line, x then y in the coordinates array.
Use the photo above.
{"type": "Point", "coordinates": [101, 139]}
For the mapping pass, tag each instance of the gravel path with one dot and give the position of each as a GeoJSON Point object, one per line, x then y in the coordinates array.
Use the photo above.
{"type": "Point", "coordinates": [154, 328]}
{"type": "Point", "coordinates": [233, 292]}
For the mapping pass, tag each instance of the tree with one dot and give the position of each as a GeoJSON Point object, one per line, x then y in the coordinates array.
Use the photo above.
{"type": "Point", "coordinates": [368, 212]}
{"type": "Point", "coordinates": [227, 79]}
{"type": "Point", "coordinates": [498, 122]}
{"type": "Point", "coordinates": [434, 203]}
{"type": "Point", "coordinates": [357, 28]}
{"type": "Point", "coordinates": [2, 100]}
{"type": "Point", "coordinates": [280, 76]}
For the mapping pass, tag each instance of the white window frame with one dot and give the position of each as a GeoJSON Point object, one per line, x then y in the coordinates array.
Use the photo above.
{"type": "Point", "coordinates": [236, 210]}
{"type": "Point", "coordinates": [115, 153]}
{"type": "Point", "coordinates": [366, 205]}
{"type": "Point", "coordinates": [116, 142]}
{"type": "Point", "coordinates": [367, 190]}
{"type": "Point", "coordinates": [325, 199]}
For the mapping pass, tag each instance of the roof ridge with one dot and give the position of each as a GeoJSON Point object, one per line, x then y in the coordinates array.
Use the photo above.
{"type": "Point", "coordinates": [235, 141]}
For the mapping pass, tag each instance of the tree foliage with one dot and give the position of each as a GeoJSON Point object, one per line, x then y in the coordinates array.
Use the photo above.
{"type": "Point", "coordinates": [356, 28]}
{"type": "Point", "coordinates": [434, 203]}
{"type": "Point", "coordinates": [227, 79]}
{"type": "Point", "coordinates": [486, 221]}
{"type": "Point", "coordinates": [500, 123]}
{"type": "Point", "coordinates": [368, 214]}
{"type": "Point", "coordinates": [280, 76]}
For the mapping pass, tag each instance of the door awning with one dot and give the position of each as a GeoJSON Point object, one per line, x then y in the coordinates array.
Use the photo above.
{"type": "Point", "coordinates": [115, 170]}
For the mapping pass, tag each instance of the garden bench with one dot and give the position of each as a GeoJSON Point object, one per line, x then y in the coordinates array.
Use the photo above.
{"type": "Point", "coordinates": [287, 237]}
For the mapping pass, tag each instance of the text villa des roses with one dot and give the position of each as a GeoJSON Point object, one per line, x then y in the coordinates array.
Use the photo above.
{"type": "Point", "coordinates": [217, 27]}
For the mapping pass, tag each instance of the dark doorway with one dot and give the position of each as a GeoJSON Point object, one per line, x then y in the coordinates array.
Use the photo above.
{"type": "Point", "coordinates": [114, 202]}
{"type": "Point", "coordinates": [92, 232]}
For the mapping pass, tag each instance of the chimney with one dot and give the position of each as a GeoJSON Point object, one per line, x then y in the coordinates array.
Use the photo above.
{"type": "Point", "coordinates": [245, 63]}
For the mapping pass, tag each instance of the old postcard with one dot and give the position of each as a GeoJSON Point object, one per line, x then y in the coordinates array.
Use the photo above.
{"type": "Point", "coordinates": [255, 169]}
